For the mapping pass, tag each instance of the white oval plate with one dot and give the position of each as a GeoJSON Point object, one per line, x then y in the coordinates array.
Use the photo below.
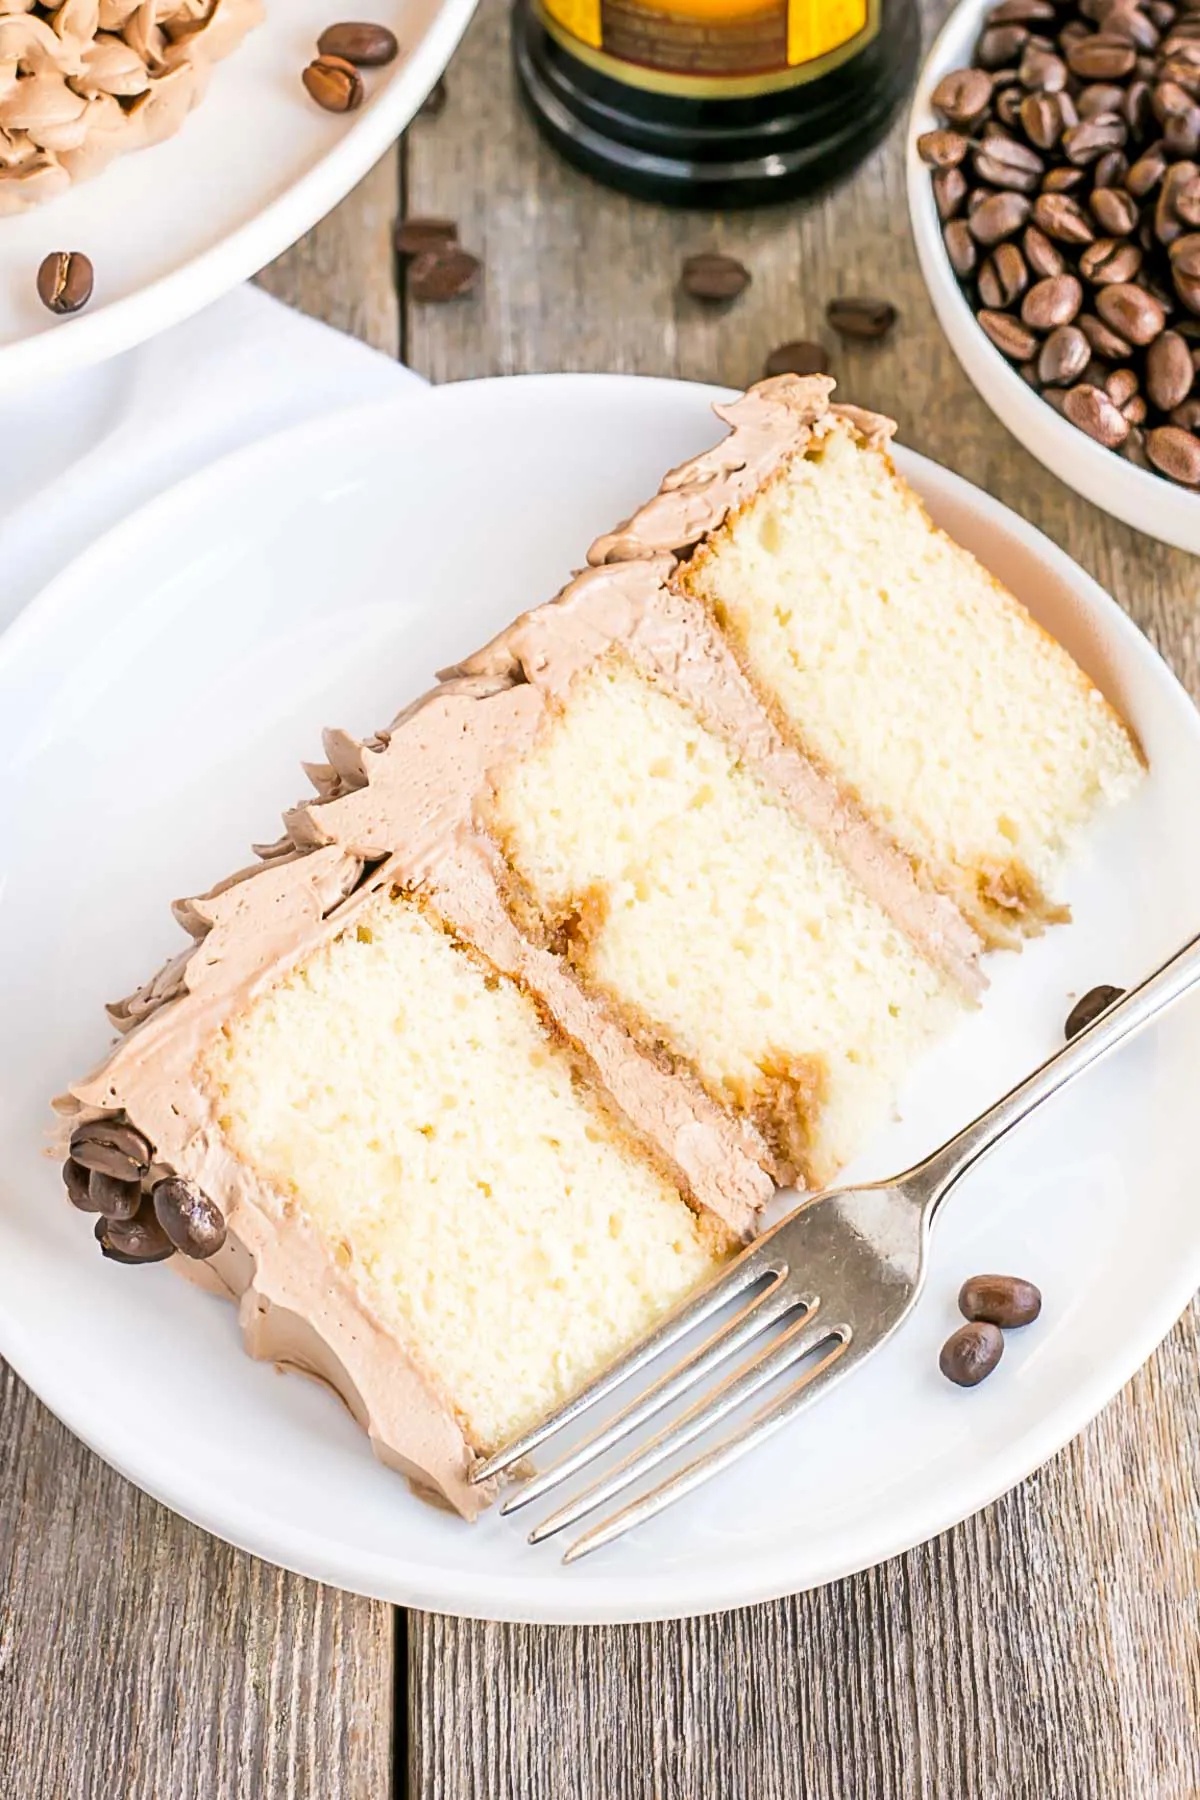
{"type": "Point", "coordinates": [253, 168]}
{"type": "Point", "coordinates": [156, 702]}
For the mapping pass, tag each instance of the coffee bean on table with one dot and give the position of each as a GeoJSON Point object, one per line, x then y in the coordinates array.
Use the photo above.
{"type": "Point", "coordinates": [1169, 371]}
{"type": "Point", "coordinates": [971, 1353]}
{"type": "Point", "coordinates": [190, 1219]}
{"type": "Point", "coordinates": [65, 281]}
{"type": "Point", "coordinates": [137, 1240]}
{"type": "Point", "coordinates": [1089, 1006]}
{"type": "Point", "coordinates": [441, 274]}
{"type": "Point", "coordinates": [334, 83]}
{"type": "Point", "coordinates": [412, 236]}
{"type": "Point", "coordinates": [801, 357]}
{"type": "Point", "coordinates": [1175, 453]}
{"type": "Point", "coordinates": [712, 276]}
{"type": "Point", "coordinates": [859, 317]}
{"type": "Point", "coordinates": [366, 46]}
{"type": "Point", "coordinates": [1003, 1300]}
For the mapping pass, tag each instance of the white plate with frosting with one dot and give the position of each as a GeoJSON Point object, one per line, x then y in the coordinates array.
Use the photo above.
{"type": "Point", "coordinates": [157, 700]}
{"type": "Point", "coordinates": [250, 169]}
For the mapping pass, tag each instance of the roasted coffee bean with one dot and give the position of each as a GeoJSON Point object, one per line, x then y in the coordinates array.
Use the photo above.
{"type": "Point", "coordinates": [976, 198]}
{"type": "Point", "coordinates": [1098, 98]}
{"type": "Point", "coordinates": [65, 281]}
{"type": "Point", "coordinates": [1041, 71]}
{"type": "Point", "coordinates": [803, 357]}
{"type": "Point", "coordinates": [1131, 312]}
{"type": "Point", "coordinates": [962, 96]}
{"type": "Point", "coordinates": [115, 1199]}
{"type": "Point", "coordinates": [1185, 255]}
{"type": "Point", "coordinates": [1168, 225]}
{"type": "Point", "coordinates": [1111, 169]}
{"type": "Point", "coordinates": [434, 103]}
{"type": "Point", "coordinates": [1134, 449]}
{"type": "Point", "coordinates": [1001, 45]}
{"type": "Point", "coordinates": [1121, 385]}
{"type": "Point", "coordinates": [999, 216]}
{"type": "Point", "coordinates": [961, 247]}
{"type": "Point", "coordinates": [1146, 173]}
{"type": "Point", "coordinates": [366, 46]}
{"type": "Point", "coordinates": [1042, 119]}
{"type": "Point", "coordinates": [1062, 219]}
{"type": "Point", "coordinates": [1169, 101]}
{"type": "Point", "coordinates": [1110, 260]}
{"type": "Point", "coordinates": [334, 84]}
{"type": "Point", "coordinates": [949, 192]}
{"type": "Point", "coordinates": [1055, 398]}
{"type": "Point", "coordinates": [1169, 371]}
{"type": "Point", "coordinates": [1135, 410]}
{"type": "Point", "coordinates": [996, 164]}
{"type": "Point", "coordinates": [712, 276]}
{"type": "Point", "coordinates": [1104, 343]}
{"type": "Point", "coordinates": [1175, 453]}
{"type": "Point", "coordinates": [190, 1219]}
{"type": "Point", "coordinates": [1021, 12]}
{"type": "Point", "coordinates": [1063, 179]}
{"type": "Point", "coordinates": [1063, 357]}
{"type": "Point", "coordinates": [1115, 211]}
{"type": "Point", "coordinates": [442, 274]}
{"type": "Point", "coordinates": [1099, 57]}
{"type": "Point", "coordinates": [1003, 277]}
{"type": "Point", "coordinates": [942, 149]}
{"type": "Point", "coordinates": [970, 1354]}
{"type": "Point", "coordinates": [1052, 302]}
{"type": "Point", "coordinates": [1137, 108]}
{"type": "Point", "coordinates": [1003, 1300]}
{"type": "Point", "coordinates": [112, 1146]}
{"type": "Point", "coordinates": [1041, 255]}
{"type": "Point", "coordinates": [412, 236]}
{"type": "Point", "coordinates": [1186, 200]}
{"type": "Point", "coordinates": [1187, 415]}
{"type": "Point", "coordinates": [1029, 375]}
{"type": "Point", "coordinates": [1008, 107]}
{"type": "Point", "coordinates": [1091, 139]}
{"type": "Point", "coordinates": [1010, 337]}
{"type": "Point", "coordinates": [1088, 1007]}
{"type": "Point", "coordinates": [78, 1182]}
{"type": "Point", "coordinates": [865, 320]}
{"type": "Point", "coordinates": [1181, 133]}
{"type": "Point", "coordinates": [137, 1240]}
{"type": "Point", "coordinates": [1092, 411]}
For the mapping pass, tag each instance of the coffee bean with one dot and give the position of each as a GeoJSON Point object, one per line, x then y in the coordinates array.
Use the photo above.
{"type": "Point", "coordinates": [1042, 120]}
{"type": "Point", "coordinates": [1104, 343]}
{"type": "Point", "coordinates": [1185, 255]}
{"type": "Point", "coordinates": [1061, 218]}
{"type": "Point", "coordinates": [999, 216]}
{"type": "Point", "coordinates": [434, 103]}
{"type": "Point", "coordinates": [1007, 107]}
{"type": "Point", "coordinates": [1110, 170]}
{"type": "Point", "coordinates": [1098, 98]}
{"type": "Point", "coordinates": [970, 1354]}
{"type": "Point", "coordinates": [412, 236]}
{"type": "Point", "coordinates": [949, 192]}
{"type": "Point", "coordinates": [861, 318]}
{"type": "Point", "coordinates": [1137, 108]}
{"type": "Point", "coordinates": [1169, 371]}
{"type": "Point", "coordinates": [366, 46]}
{"type": "Point", "coordinates": [113, 1147]}
{"type": "Point", "coordinates": [1134, 450]}
{"type": "Point", "coordinates": [78, 1182]}
{"type": "Point", "coordinates": [711, 276]}
{"type": "Point", "coordinates": [65, 281]}
{"type": "Point", "coordinates": [1052, 302]}
{"type": "Point", "coordinates": [442, 274]}
{"type": "Point", "coordinates": [1110, 260]}
{"type": "Point", "coordinates": [1004, 163]}
{"type": "Point", "coordinates": [115, 1199]}
{"type": "Point", "coordinates": [1063, 179]}
{"type": "Point", "coordinates": [1090, 408]}
{"type": "Point", "coordinates": [1115, 211]}
{"type": "Point", "coordinates": [190, 1219]}
{"type": "Point", "coordinates": [137, 1240]}
{"type": "Point", "coordinates": [334, 84]}
{"type": "Point", "coordinates": [1009, 336]}
{"type": "Point", "coordinates": [942, 149]}
{"type": "Point", "coordinates": [1063, 357]}
{"type": "Point", "coordinates": [1003, 1300]}
{"type": "Point", "coordinates": [1001, 45]}
{"type": "Point", "coordinates": [1121, 386]}
{"type": "Point", "coordinates": [960, 247]}
{"type": "Point", "coordinates": [1088, 1007]}
{"type": "Point", "coordinates": [1041, 71]}
{"type": "Point", "coordinates": [1021, 12]}
{"type": "Point", "coordinates": [1146, 173]}
{"type": "Point", "coordinates": [1099, 57]}
{"type": "Point", "coordinates": [1041, 255]}
{"type": "Point", "coordinates": [1089, 140]}
{"type": "Point", "coordinates": [962, 95]}
{"type": "Point", "coordinates": [1131, 312]}
{"type": "Point", "coordinates": [1186, 200]}
{"type": "Point", "coordinates": [1175, 453]}
{"type": "Point", "coordinates": [1003, 277]}
{"type": "Point", "coordinates": [802, 357]}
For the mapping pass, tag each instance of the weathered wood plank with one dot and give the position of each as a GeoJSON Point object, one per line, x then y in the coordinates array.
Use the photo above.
{"type": "Point", "coordinates": [141, 1658]}
{"type": "Point", "coordinates": [1049, 1648]}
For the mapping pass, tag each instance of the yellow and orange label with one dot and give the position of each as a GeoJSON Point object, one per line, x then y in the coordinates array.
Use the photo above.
{"type": "Point", "coordinates": [708, 48]}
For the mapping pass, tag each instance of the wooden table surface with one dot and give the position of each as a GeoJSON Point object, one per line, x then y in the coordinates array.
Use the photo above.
{"type": "Point", "coordinates": [1048, 1648]}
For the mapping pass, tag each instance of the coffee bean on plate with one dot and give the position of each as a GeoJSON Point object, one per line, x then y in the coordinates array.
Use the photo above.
{"type": "Point", "coordinates": [949, 192]}
{"type": "Point", "coordinates": [137, 1240]}
{"type": "Point", "coordinates": [961, 247]}
{"type": "Point", "coordinates": [971, 1353]}
{"type": "Point", "coordinates": [1089, 1006]}
{"type": "Point", "coordinates": [65, 281]}
{"type": "Point", "coordinates": [1175, 453]}
{"type": "Point", "coordinates": [801, 357]}
{"type": "Point", "coordinates": [190, 1219]}
{"type": "Point", "coordinates": [412, 236]}
{"type": "Point", "coordinates": [1043, 257]}
{"type": "Point", "coordinates": [1003, 1300]}
{"type": "Point", "coordinates": [712, 276]}
{"type": "Point", "coordinates": [860, 317]}
{"type": "Point", "coordinates": [366, 46]}
{"type": "Point", "coordinates": [334, 83]}
{"type": "Point", "coordinates": [1052, 302]}
{"type": "Point", "coordinates": [1170, 371]}
{"type": "Point", "coordinates": [1010, 337]}
{"type": "Point", "coordinates": [1063, 357]}
{"type": "Point", "coordinates": [1130, 311]}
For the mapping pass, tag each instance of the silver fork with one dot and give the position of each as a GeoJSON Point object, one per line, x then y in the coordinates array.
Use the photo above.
{"type": "Point", "coordinates": [832, 1281]}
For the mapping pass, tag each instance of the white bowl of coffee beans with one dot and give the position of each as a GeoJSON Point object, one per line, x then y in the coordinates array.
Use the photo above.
{"type": "Point", "coordinates": [1054, 191]}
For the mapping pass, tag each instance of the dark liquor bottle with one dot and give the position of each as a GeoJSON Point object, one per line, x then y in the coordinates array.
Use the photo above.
{"type": "Point", "coordinates": [715, 102]}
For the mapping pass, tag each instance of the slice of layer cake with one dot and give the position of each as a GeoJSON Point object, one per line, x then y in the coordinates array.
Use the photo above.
{"type": "Point", "coordinates": [886, 652]}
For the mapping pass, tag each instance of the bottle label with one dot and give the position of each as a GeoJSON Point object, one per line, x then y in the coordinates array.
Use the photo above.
{"type": "Point", "coordinates": [710, 49]}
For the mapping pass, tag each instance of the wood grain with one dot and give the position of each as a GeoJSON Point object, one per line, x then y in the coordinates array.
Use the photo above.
{"type": "Point", "coordinates": [1049, 1648]}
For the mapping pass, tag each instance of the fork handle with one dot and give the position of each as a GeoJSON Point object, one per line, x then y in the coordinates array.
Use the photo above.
{"type": "Point", "coordinates": [1120, 1021]}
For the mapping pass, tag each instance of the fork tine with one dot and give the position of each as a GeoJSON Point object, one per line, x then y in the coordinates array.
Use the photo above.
{"type": "Point", "coordinates": [796, 1342]}
{"type": "Point", "coordinates": [755, 1264]}
{"type": "Point", "coordinates": [758, 1314]}
{"type": "Point", "coordinates": [763, 1424]}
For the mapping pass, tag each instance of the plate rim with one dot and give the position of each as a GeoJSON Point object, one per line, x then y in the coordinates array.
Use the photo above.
{"type": "Point", "coordinates": [94, 336]}
{"type": "Point", "coordinates": [506, 1596]}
